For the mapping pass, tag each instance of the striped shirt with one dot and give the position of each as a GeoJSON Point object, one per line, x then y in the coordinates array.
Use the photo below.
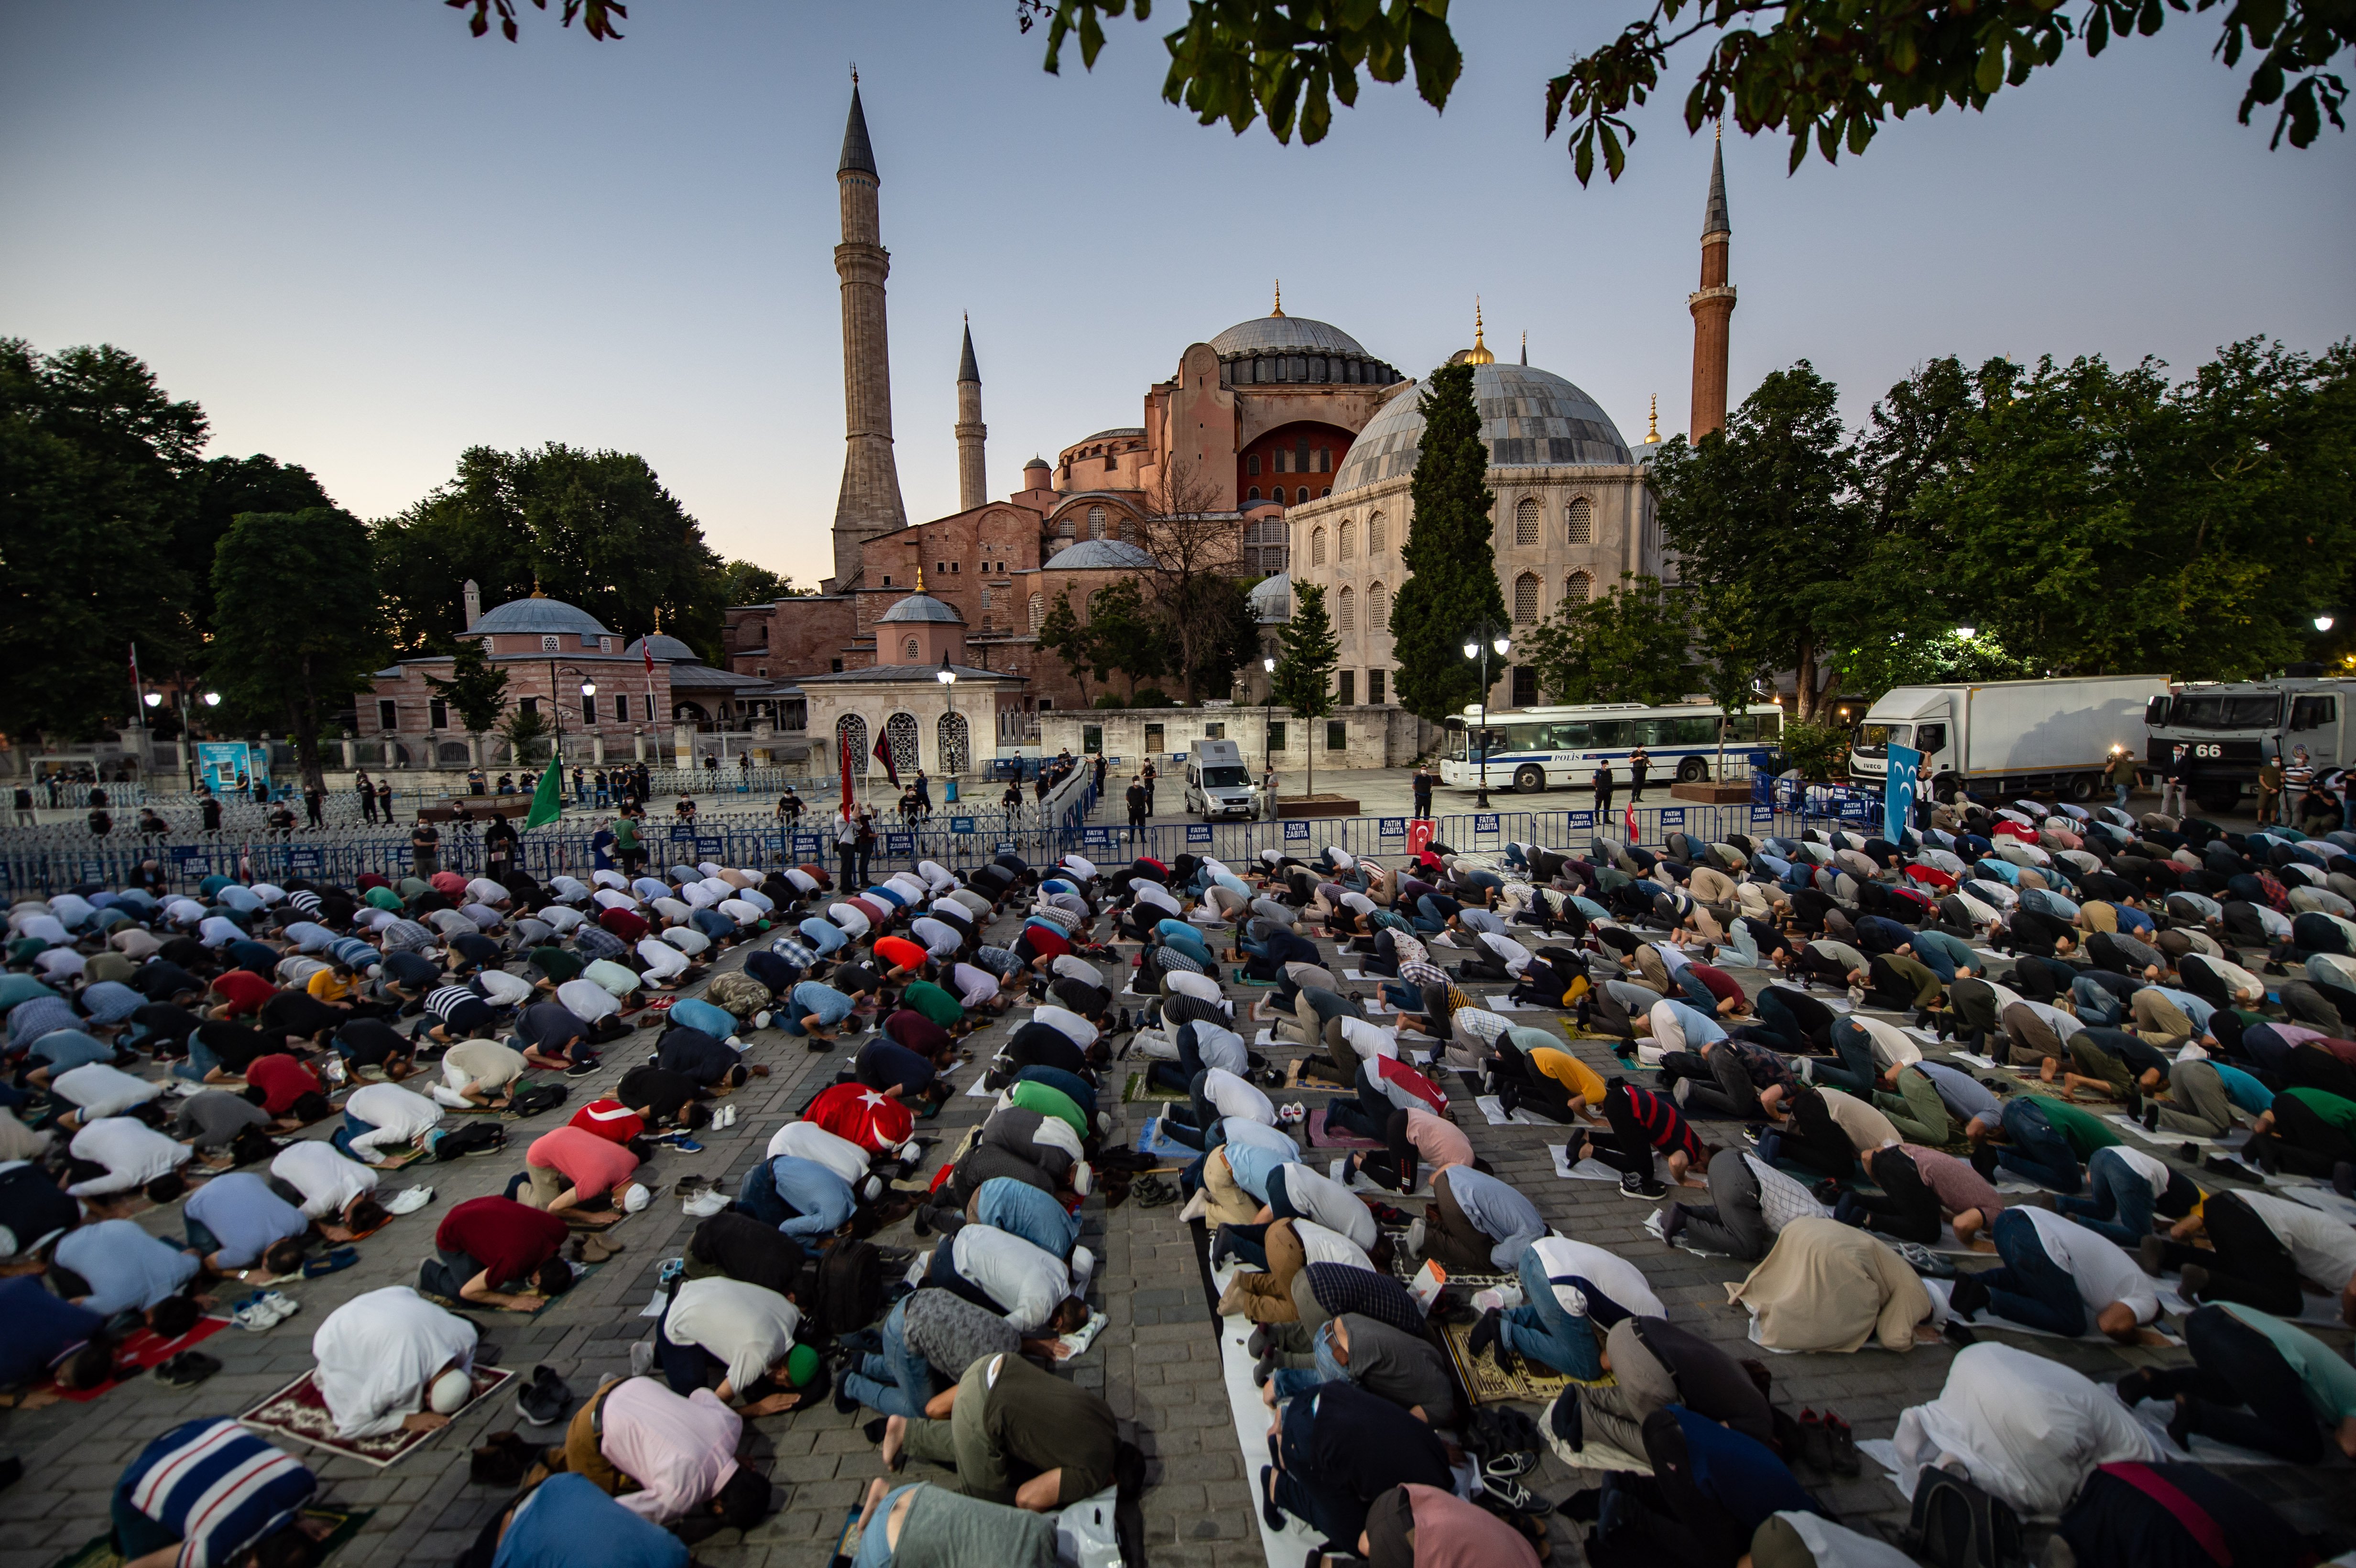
{"type": "Point", "coordinates": [444, 1000]}
{"type": "Point", "coordinates": [217, 1487]}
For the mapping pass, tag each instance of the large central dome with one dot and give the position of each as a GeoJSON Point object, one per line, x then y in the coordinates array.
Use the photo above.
{"type": "Point", "coordinates": [1529, 419]}
{"type": "Point", "coordinates": [1285, 334]}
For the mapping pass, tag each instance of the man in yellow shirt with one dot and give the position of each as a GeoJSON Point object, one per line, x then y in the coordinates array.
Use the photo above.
{"type": "Point", "coordinates": [1531, 1070]}
{"type": "Point", "coordinates": [335, 984]}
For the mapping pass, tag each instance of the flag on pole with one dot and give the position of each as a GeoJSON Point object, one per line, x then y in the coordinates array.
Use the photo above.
{"type": "Point", "coordinates": [884, 755]}
{"type": "Point", "coordinates": [138, 689]}
{"type": "Point", "coordinates": [1629, 821]}
{"type": "Point", "coordinates": [548, 800]}
{"type": "Point", "coordinates": [842, 747]}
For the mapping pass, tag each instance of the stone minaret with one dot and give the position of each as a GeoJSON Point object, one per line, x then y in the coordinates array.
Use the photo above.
{"type": "Point", "coordinates": [1711, 305]}
{"type": "Point", "coordinates": [869, 500]}
{"type": "Point", "coordinates": [973, 480]}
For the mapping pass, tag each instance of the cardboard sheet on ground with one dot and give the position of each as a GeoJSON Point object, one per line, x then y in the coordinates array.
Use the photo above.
{"type": "Point", "coordinates": [1585, 1170]}
{"type": "Point", "coordinates": [1507, 1005]}
{"type": "Point", "coordinates": [1288, 1547]}
{"type": "Point", "coordinates": [1987, 1318]}
{"type": "Point", "coordinates": [1493, 1110]}
{"type": "Point", "coordinates": [2305, 1189]}
{"type": "Point", "coordinates": [1359, 1184]}
{"type": "Point", "coordinates": [2313, 1311]}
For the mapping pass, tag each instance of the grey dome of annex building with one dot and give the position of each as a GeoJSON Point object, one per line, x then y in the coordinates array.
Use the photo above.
{"type": "Point", "coordinates": [1279, 348]}
{"type": "Point", "coordinates": [662, 647]}
{"type": "Point", "coordinates": [922, 606]}
{"type": "Point", "coordinates": [1529, 419]}
{"type": "Point", "coordinates": [1103, 555]}
{"type": "Point", "coordinates": [536, 615]}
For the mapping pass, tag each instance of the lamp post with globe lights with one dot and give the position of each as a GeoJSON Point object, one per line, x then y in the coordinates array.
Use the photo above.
{"type": "Point", "coordinates": [1477, 643]}
{"type": "Point", "coordinates": [187, 754]}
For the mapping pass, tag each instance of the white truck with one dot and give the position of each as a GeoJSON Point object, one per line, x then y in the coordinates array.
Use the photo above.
{"type": "Point", "coordinates": [1218, 784]}
{"type": "Point", "coordinates": [2007, 737]}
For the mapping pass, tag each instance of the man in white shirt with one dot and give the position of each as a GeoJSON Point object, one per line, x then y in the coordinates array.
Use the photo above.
{"type": "Point", "coordinates": [97, 1091]}
{"type": "Point", "coordinates": [338, 1194]}
{"type": "Point", "coordinates": [115, 1155]}
{"type": "Point", "coordinates": [386, 1363]}
{"type": "Point", "coordinates": [384, 1119]}
{"type": "Point", "coordinates": [747, 1330]}
{"type": "Point", "coordinates": [2264, 1245]}
{"type": "Point", "coordinates": [808, 1140]}
{"type": "Point", "coordinates": [1572, 1293]}
{"type": "Point", "coordinates": [1298, 1191]}
{"type": "Point", "coordinates": [1023, 1283]}
{"type": "Point", "coordinates": [2057, 1275]}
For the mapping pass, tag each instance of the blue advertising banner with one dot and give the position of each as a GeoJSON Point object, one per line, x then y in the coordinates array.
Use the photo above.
{"type": "Point", "coordinates": [1673, 816]}
{"type": "Point", "coordinates": [960, 824]}
{"type": "Point", "coordinates": [1295, 831]}
{"type": "Point", "coordinates": [1198, 833]}
{"type": "Point", "coordinates": [1484, 824]}
{"type": "Point", "coordinates": [1898, 796]}
{"type": "Point", "coordinates": [1393, 827]}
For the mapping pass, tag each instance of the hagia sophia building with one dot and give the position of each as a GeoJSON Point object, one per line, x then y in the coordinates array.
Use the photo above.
{"type": "Point", "coordinates": [1288, 426]}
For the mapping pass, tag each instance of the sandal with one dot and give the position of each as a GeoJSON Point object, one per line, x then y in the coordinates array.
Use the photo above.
{"type": "Point", "coordinates": [185, 1369]}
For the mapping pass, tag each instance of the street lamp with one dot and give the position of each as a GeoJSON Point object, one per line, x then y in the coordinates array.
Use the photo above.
{"type": "Point", "coordinates": [1477, 643]}
{"type": "Point", "coordinates": [2323, 623]}
{"type": "Point", "coordinates": [1967, 633]}
{"type": "Point", "coordinates": [945, 675]}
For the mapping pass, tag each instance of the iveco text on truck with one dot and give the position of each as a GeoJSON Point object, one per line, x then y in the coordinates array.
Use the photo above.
{"type": "Point", "coordinates": [2007, 737]}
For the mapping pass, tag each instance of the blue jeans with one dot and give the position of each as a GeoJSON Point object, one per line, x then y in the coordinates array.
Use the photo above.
{"type": "Point", "coordinates": [1856, 1071]}
{"type": "Point", "coordinates": [1541, 1329]}
{"type": "Point", "coordinates": [1426, 915]}
{"type": "Point", "coordinates": [2118, 1201]}
{"type": "Point", "coordinates": [353, 1127]}
{"type": "Point", "coordinates": [1182, 1074]}
{"type": "Point", "coordinates": [2097, 1004]}
{"type": "Point", "coordinates": [1291, 1381]}
{"type": "Point", "coordinates": [201, 1061]}
{"type": "Point", "coordinates": [897, 1382]}
{"type": "Point", "coordinates": [2031, 1288]}
{"type": "Point", "coordinates": [2122, 801]}
{"type": "Point", "coordinates": [2037, 1151]}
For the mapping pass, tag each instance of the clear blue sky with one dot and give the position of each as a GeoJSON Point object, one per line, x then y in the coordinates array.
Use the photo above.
{"type": "Point", "coordinates": [365, 240]}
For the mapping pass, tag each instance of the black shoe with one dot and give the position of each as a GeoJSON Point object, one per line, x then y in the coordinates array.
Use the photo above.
{"type": "Point", "coordinates": [845, 1401]}
{"type": "Point", "coordinates": [546, 1399]}
{"type": "Point", "coordinates": [1984, 1161]}
{"type": "Point", "coordinates": [581, 1069]}
{"type": "Point", "coordinates": [873, 1430]}
{"type": "Point", "coordinates": [1488, 1331]}
{"type": "Point", "coordinates": [2151, 1119]}
{"type": "Point", "coordinates": [1271, 1515]}
{"type": "Point", "coordinates": [1968, 1296]}
{"type": "Point", "coordinates": [1635, 1186]}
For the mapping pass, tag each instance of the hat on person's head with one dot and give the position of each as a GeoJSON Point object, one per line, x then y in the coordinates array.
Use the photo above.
{"type": "Point", "coordinates": [1390, 1526]}
{"type": "Point", "coordinates": [635, 1196]}
{"type": "Point", "coordinates": [450, 1391]}
{"type": "Point", "coordinates": [802, 1364]}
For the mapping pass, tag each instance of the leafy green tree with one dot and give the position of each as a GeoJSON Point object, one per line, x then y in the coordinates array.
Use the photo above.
{"type": "Point", "coordinates": [1061, 634]}
{"type": "Point", "coordinates": [1123, 635]}
{"type": "Point", "coordinates": [1627, 645]}
{"type": "Point", "coordinates": [1818, 752]}
{"type": "Point", "coordinates": [1225, 636]}
{"type": "Point", "coordinates": [1733, 662]}
{"type": "Point", "coordinates": [477, 689]}
{"type": "Point", "coordinates": [95, 467]}
{"type": "Point", "coordinates": [300, 627]}
{"type": "Point", "coordinates": [1306, 652]}
{"type": "Point", "coordinates": [742, 582]}
{"type": "Point", "coordinates": [224, 487]}
{"type": "Point", "coordinates": [527, 734]}
{"type": "Point", "coordinates": [1765, 515]}
{"type": "Point", "coordinates": [1826, 72]}
{"type": "Point", "coordinates": [595, 529]}
{"type": "Point", "coordinates": [1451, 586]}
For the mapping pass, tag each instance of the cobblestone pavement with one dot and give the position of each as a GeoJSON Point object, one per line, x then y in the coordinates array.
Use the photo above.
{"type": "Point", "coordinates": [1157, 1363]}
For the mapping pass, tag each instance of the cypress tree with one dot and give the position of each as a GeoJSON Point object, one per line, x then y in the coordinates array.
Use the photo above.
{"type": "Point", "coordinates": [1453, 583]}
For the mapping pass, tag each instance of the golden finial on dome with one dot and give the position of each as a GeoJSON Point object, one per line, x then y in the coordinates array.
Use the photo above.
{"type": "Point", "coordinates": [1653, 435]}
{"type": "Point", "coordinates": [1479, 353]}
{"type": "Point", "coordinates": [1279, 298]}
{"type": "Point", "coordinates": [920, 577]}
{"type": "Point", "coordinates": [658, 620]}
{"type": "Point", "coordinates": [535, 593]}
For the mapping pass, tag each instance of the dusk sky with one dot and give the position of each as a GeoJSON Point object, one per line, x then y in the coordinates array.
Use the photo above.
{"type": "Point", "coordinates": [365, 240]}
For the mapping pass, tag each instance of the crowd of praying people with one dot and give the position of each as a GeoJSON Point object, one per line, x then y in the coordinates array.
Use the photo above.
{"type": "Point", "coordinates": [1862, 1068]}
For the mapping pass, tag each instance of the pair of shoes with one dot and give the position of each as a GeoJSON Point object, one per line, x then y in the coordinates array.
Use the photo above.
{"type": "Point", "coordinates": [409, 1201]}
{"type": "Point", "coordinates": [335, 1262]}
{"type": "Point", "coordinates": [258, 1314]}
{"type": "Point", "coordinates": [705, 1204]}
{"type": "Point", "coordinates": [503, 1460]}
{"type": "Point", "coordinates": [1506, 1492]}
{"type": "Point", "coordinates": [185, 1369]}
{"type": "Point", "coordinates": [1842, 1442]}
{"type": "Point", "coordinates": [1968, 1296]}
{"type": "Point", "coordinates": [1814, 1442]}
{"type": "Point", "coordinates": [724, 1117]}
{"type": "Point", "coordinates": [1644, 1187]}
{"type": "Point", "coordinates": [546, 1399]}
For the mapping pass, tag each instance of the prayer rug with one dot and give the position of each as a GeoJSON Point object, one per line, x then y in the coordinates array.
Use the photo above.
{"type": "Point", "coordinates": [1322, 1136]}
{"type": "Point", "coordinates": [343, 1524]}
{"type": "Point", "coordinates": [299, 1410]}
{"type": "Point", "coordinates": [1311, 1072]}
{"type": "Point", "coordinates": [1141, 1086]}
{"type": "Point", "coordinates": [1484, 1383]}
{"type": "Point", "coordinates": [1151, 1141]}
{"type": "Point", "coordinates": [142, 1351]}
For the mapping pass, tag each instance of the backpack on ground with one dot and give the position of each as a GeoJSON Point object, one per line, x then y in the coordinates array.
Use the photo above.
{"type": "Point", "coordinates": [1957, 1524]}
{"type": "Point", "coordinates": [469, 1137]}
{"type": "Point", "coordinates": [850, 1286]}
{"type": "Point", "coordinates": [536, 1099]}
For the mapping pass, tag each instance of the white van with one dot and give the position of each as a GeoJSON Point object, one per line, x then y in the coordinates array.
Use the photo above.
{"type": "Point", "coordinates": [1218, 782]}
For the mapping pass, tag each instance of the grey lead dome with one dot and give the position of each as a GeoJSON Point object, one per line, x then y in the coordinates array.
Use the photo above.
{"type": "Point", "coordinates": [1529, 419]}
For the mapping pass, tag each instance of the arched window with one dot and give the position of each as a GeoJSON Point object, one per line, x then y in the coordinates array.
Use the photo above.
{"type": "Point", "coordinates": [1580, 517]}
{"type": "Point", "coordinates": [1277, 494]}
{"type": "Point", "coordinates": [909, 650]}
{"type": "Point", "coordinates": [1578, 587]}
{"type": "Point", "coordinates": [1325, 492]}
{"type": "Point", "coordinates": [1379, 608]}
{"type": "Point", "coordinates": [1349, 540]}
{"type": "Point", "coordinates": [1526, 521]}
{"type": "Point", "coordinates": [1251, 466]}
{"type": "Point", "coordinates": [1317, 547]}
{"type": "Point", "coordinates": [1348, 619]}
{"type": "Point", "coordinates": [900, 734]}
{"type": "Point", "coordinates": [1096, 522]}
{"type": "Point", "coordinates": [956, 748]}
{"type": "Point", "coordinates": [851, 731]}
{"type": "Point", "coordinates": [1526, 599]}
{"type": "Point", "coordinates": [1038, 610]}
{"type": "Point", "coordinates": [1378, 535]}
{"type": "Point", "coordinates": [1254, 493]}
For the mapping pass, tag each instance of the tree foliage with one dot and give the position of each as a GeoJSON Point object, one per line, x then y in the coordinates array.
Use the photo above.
{"type": "Point", "coordinates": [597, 16]}
{"type": "Point", "coordinates": [1628, 646]}
{"type": "Point", "coordinates": [1825, 73]}
{"type": "Point", "coordinates": [742, 582]}
{"type": "Point", "coordinates": [595, 529]}
{"type": "Point", "coordinates": [300, 627]}
{"type": "Point", "coordinates": [1451, 588]}
{"type": "Point", "coordinates": [1061, 634]}
{"type": "Point", "coordinates": [1306, 652]}
{"type": "Point", "coordinates": [97, 477]}
{"type": "Point", "coordinates": [527, 734]}
{"type": "Point", "coordinates": [477, 689]}
{"type": "Point", "coordinates": [1124, 636]}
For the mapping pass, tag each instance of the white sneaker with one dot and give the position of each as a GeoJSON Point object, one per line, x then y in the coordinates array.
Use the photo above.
{"type": "Point", "coordinates": [409, 1201]}
{"type": "Point", "coordinates": [1083, 1268]}
{"type": "Point", "coordinates": [760, 1021]}
{"type": "Point", "coordinates": [704, 1204]}
{"type": "Point", "coordinates": [642, 1358]}
{"type": "Point", "coordinates": [281, 1304]}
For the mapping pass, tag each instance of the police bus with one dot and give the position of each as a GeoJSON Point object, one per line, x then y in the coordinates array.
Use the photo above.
{"type": "Point", "coordinates": [1533, 749]}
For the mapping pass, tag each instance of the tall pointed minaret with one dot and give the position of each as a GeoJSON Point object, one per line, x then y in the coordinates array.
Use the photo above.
{"type": "Point", "coordinates": [973, 479]}
{"type": "Point", "coordinates": [870, 502]}
{"type": "Point", "coordinates": [1711, 305]}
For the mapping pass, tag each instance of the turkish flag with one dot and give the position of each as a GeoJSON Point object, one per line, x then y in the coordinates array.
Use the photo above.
{"type": "Point", "coordinates": [873, 1121]}
{"type": "Point", "coordinates": [1628, 819]}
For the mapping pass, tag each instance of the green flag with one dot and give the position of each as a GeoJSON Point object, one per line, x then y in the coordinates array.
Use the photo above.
{"type": "Point", "coordinates": [548, 800]}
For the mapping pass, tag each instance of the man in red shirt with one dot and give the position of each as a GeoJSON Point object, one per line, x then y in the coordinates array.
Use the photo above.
{"type": "Point", "coordinates": [610, 1120]}
{"type": "Point", "coordinates": [904, 957]}
{"type": "Point", "coordinates": [627, 924]}
{"type": "Point", "coordinates": [289, 1091]}
{"type": "Point", "coordinates": [239, 993]}
{"type": "Point", "coordinates": [568, 1169]}
{"type": "Point", "coordinates": [492, 1251]}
